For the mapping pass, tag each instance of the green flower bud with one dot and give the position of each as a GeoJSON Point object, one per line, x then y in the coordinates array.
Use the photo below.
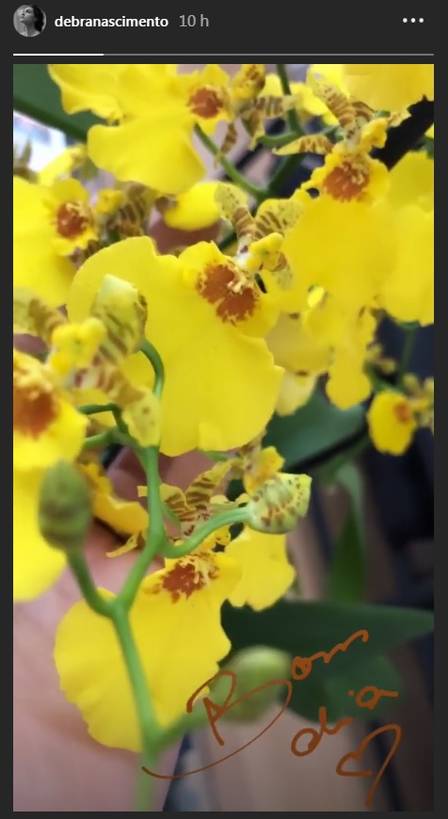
{"type": "Point", "coordinates": [279, 503]}
{"type": "Point", "coordinates": [254, 667]}
{"type": "Point", "coordinates": [65, 507]}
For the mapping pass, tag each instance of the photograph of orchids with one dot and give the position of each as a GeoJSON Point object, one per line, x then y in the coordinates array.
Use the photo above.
{"type": "Point", "coordinates": [223, 278]}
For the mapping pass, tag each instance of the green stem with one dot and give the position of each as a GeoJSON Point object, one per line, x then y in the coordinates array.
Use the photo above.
{"type": "Point", "coordinates": [156, 536]}
{"type": "Point", "coordinates": [149, 458]}
{"type": "Point", "coordinates": [215, 456]}
{"type": "Point", "coordinates": [149, 728]}
{"type": "Point", "coordinates": [103, 439]}
{"type": "Point", "coordinates": [186, 724]}
{"type": "Point", "coordinates": [278, 140]}
{"type": "Point", "coordinates": [406, 353]}
{"type": "Point", "coordinates": [81, 571]}
{"type": "Point", "coordinates": [92, 409]}
{"type": "Point", "coordinates": [227, 518]}
{"type": "Point", "coordinates": [291, 116]}
{"type": "Point", "coordinates": [229, 167]}
{"type": "Point", "coordinates": [116, 611]}
{"type": "Point", "coordinates": [157, 364]}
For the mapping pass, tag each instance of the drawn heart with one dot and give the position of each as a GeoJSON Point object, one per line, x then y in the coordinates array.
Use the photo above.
{"type": "Point", "coordinates": [355, 756]}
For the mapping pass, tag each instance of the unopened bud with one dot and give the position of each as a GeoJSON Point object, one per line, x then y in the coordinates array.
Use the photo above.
{"type": "Point", "coordinates": [254, 667]}
{"type": "Point", "coordinates": [279, 503]}
{"type": "Point", "coordinates": [123, 311]}
{"type": "Point", "coordinates": [65, 508]}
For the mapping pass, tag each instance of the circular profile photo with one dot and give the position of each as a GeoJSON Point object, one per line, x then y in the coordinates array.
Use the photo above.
{"type": "Point", "coordinates": [29, 21]}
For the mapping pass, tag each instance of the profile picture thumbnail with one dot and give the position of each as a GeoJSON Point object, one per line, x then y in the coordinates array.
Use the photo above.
{"type": "Point", "coordinates": [29, 21]}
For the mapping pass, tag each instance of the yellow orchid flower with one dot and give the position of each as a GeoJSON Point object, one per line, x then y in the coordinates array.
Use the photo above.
{"type": "Point", "coordinates": [259, 252]}
{"type": "Point", "coordinates": [65, 514]}
{"type": "Point", "coordinates": [308, 104]}
{"type": "Point", "coordinates": [255, 464]}
{"type": "Point", "coordinates": [50, 224]}
{"type": "Point", "coordinates": [329, 336]}
{"type": "Point", "coordinates": [63, 165]}
{"type": "Point", "coordinates": [87, 356]}
{"type": "Point", "coordinates": [266, 573]}
{"type": "Point", "coordinates": [348, 171]}
{"type": "Point", "coordinates": [124, 210]}
{"type": "Point", "coordinates": [95, 89]}
{"type": "Point", "coordinates": [46, 426]}
{"type": "Point", "coordinates": [348, 249]}
{"type": "Point", "coordinates": [183, 599]}
{"type": "Point", "coordinates": [391, 422]}
{"type": "Point", "coordinates": [123, 516]}
{"type": "Point", "coordinates": [176, 626]}
{"type": "Point", "coordinates": [188, 510]}
{"type": "Point", "coordinates": [248, 82]}
{"type": "Point", "coordinates": [347, 382]}
{"type": "Point", "coordinates": [411, 181]}
{"type": "Point", "coordinates": [389, 86]}
{"type": "Point", "coordinates": [221, 384]}
{"type": "Point", "coordinates": [394, 416]}
{"type": "Point", "coordinates": [333, 73]}
{"type": "Point", "coordinates": [57, 225]}
{"type": "Point", "coordinates": [251, 100]}
{"type": "Point", "coordinates": [297, 344]}
{"type": "Point", "coordinates": [408, 292]}
{"type": "Point", "coordinates": [421, 395]}
{"type": "Point", "coordinates": [232, 293]}
{"type": "Point", "coordinates": [152, 108]}
{"type": "Point", "coordinates": [75, 345]}
{"type": "Point", "coordinates": [381, 252]}
{"type": "Point", "coordinates": [193, 209]}
{"type": "Point", "coordinates": [36, 565]}
{"type": "Point", "coordinates": [295, 392]}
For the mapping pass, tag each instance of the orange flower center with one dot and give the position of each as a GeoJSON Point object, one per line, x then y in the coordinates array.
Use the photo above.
{"type": "Point", "coordinates": [187, 577]}
{"type": "Point", "coordinates": [34, 404]}
{"type": "Point", "coordinates": [403, 412]}
{"type": "Point", "coordinates": [206, 102]}
{"type": "Point", "coordinates": [72, 218]}
{"type": "Point", "coordinates": [348, 180]}
{"type": "Point", "coordinates": [234, 297]}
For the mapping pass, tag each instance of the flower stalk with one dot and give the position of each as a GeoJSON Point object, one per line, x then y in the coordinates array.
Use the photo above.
{"type": "Point", "coordinates": [229, 167]}
{"type": "Point", "coordinates": [117, 610]}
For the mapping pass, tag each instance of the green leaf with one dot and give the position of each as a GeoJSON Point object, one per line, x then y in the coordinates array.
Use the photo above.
{"type": "Point", "coordinates": [37, 96]}
{"type": "Point", "coordinates": [304, 628]}
{"type": "Point", "coordinates": [334, 691]}
{"type": "Point", "coordinates": [312, 429]}
{"type": "Point", "coordinates": [346, 579]}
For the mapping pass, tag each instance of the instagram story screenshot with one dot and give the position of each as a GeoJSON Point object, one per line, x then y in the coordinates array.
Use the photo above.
{"type": "Point", "coordinates": [218, 314]}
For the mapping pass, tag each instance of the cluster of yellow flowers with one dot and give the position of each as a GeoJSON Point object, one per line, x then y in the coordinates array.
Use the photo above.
{"type": "Point", "coordinates": [298, 294]}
